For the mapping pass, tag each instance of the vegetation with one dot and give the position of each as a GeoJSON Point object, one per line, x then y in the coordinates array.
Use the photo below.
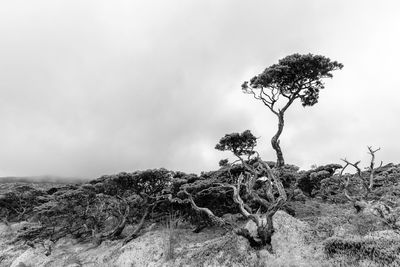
{"type": "Point", "coordinates": [258, 183]}
{"type": "Point", "coordinates": [294, 77]}
{"type": "Point", "coordinates": [245, 190]}
{"type": "Point", "coordinates": [344, 213]}
{"type": "Point", "coordinates": [382, 251]}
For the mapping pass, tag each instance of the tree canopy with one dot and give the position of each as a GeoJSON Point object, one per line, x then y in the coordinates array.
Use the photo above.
{"type": "Point", "coordinates": [238, 143]}
{"type": "Point", "coordinates": [294, 77]}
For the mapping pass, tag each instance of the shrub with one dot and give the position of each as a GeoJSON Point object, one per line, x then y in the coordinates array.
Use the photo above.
{"type": "Point", "coordinates": [310, 181]}
{"type": "Point", "coordinates": [150, 182]}
{"type": "Point", "coordinates": [19, 203]}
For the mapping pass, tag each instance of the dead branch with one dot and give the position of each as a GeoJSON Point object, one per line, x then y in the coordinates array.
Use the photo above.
{"type": "Point", "coordinates": [214, 219]}
{"type": "Point", "coordinates": [355, 165]}
{"type": "Point", "coordinates": [358, 204]}
{"type": "Point", "coordinates": [347, 183]}
{"type": "Point", "coordinates": [276, 180]}
{"type": "Point", "coordinates": [372, 167]}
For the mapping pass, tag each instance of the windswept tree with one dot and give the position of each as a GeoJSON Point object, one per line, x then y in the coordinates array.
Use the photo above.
{"type": "Point", "coordinates": [294, 77]}
{"type": "Point", "coordinates": [257, 192]}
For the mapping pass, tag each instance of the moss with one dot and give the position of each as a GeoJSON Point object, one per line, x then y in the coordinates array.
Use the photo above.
{"type": "Point", "coordinates": [383, 251]}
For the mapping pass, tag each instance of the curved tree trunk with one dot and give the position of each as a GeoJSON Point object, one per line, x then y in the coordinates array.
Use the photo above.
{"type": "Point", "coordinates": [265, 227]}
{"type": "Point", "coordinates": [136, 232]}
{"type": "Point", "coordinates": [275, 141]}
{"type": "Point", "coordinates": [117, 231]}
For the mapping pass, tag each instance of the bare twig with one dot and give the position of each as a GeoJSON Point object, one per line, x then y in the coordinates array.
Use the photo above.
{"type": "Point", "coordinates": [371, 166]}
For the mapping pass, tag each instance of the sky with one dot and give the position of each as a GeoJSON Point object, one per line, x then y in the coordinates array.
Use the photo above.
{"type": "Point", "coordinates": [98, 87]}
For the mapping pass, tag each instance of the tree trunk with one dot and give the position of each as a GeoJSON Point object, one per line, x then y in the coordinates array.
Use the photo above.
{"type": "Point", "coordinates": [265, 233]}
{"type": "Point", "coordinates": [263, 237]}
{"type": "Point", "coordinates": [136, 232]}
{"type": "Point", "coordinates": [275, 141]}
{"type": "Point", "coordinates": [117, 231]}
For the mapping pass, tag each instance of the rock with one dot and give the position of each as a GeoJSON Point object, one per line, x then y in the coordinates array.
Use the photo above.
{"type": "Point", "coordinates": [289, 243]}
{"type": "Point", "coordinates": [32, 257]}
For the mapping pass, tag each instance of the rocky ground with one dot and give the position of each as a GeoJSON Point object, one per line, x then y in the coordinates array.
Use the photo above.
{"type": "Point", "coordinates": [296, 243]}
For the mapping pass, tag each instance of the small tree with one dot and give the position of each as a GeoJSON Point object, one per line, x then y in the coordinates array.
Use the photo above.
{"type": "Point", "coordinates": [256, 190]}
{"type": "Point", "coordinates": [239, 144]}
{"type": "Point", "coordinates": [367, 199]}
{"type": "Point", "coordinates": [294, 77]}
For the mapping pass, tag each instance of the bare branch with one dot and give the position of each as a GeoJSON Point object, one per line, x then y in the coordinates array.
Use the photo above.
{"type": "Point", "coordinates": [358, 204]}
{"type": "Point", "coordinates": [238, 200]}
{"type": "Point", "coordinates": [371, 166]}
{"type": "Point", "coordinates": [347, 183]}
{"type": "Point", "coordinates": [355, 165]}
{"type": "Point", "coordinates": [276, 180]}
{"type": "Point", "coordinates": [214, 219]}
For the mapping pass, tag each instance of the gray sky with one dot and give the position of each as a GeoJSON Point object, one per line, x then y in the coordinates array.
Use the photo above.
{"type": "Point", "coordinates": [98, 87]}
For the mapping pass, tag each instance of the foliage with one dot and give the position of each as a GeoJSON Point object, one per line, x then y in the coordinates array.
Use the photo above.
{"type": "Point", "coordinates": [289, 175]}
{"type": "Point", "coordinates": [223, 162]}
{"type": "Point", "coordinates": [242, 144]}
{"type": "Point", "coordinates": [310, 181]}
{"type": "Point", "coordinates": [295, 76]}
{"type": "Point", "coordinates": [332, 189]}
{"type": "Point", "coordinates": [78, 212]}
{"type": "Point", "coordinates": [96, 210]}
{"type": "Point", "coordinates": [17, 204]}
{"type": "Point", "coordinates": [150, 182]}
{"type": "Point", "coordinates": [256, 185]}
{"type": "Point", "coordinates": [384, 251]}
{"type": "Point", "coordinates": [386, 186]}
{"type": "Point", "coordinates": [99, 209]}
{"type": "Point", "coordinates": [208, 194]}
{"type": "Point", "coordinates": [248, 188]}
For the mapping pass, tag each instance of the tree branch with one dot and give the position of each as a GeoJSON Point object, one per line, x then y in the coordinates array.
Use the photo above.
{"type": "Point", "coordinates": [357, 203]}
{"type": "Point", "coordinates": [214, 219]}
{"type": "Point", "coordinates": [136, 232]}
{"type": "Point", "coordinates": [371, 167]}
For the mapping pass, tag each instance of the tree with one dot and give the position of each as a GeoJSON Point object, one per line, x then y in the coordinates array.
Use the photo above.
{"type": "Point", "coordinates": [96, 211]}
{"type": "Point", "coordinates": [294, 77]}
{"type": "Point", "coordinates": [310, 181]}
{"type": "Point", "coordinates": [257, 192]}
{"type": "Point", "coordinates": [360, 202]}
{"type": "Point", "coordinates": [239, 144]}
{"type": "Point", "coordinates": [367, 199]}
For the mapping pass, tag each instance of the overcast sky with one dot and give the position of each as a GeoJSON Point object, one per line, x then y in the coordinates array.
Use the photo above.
{"type": "Point", "coordinates": [98, 87]}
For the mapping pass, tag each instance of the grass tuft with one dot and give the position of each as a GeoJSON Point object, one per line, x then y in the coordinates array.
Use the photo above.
{"type": "Point", "coordinates": [170, 239]}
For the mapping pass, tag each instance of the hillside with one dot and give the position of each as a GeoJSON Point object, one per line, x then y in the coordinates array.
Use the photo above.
{"type": "Point", "coordinates": [145, 219]}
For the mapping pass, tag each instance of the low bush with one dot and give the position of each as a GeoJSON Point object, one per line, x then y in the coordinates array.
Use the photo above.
{"type": "Point", "coordinates": [383, 251]}
{"type": "Point", "coordinates": [310, 181]}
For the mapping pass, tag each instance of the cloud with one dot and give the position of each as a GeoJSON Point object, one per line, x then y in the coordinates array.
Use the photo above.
{"type": "Point", "coordinates": [96, 87]}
